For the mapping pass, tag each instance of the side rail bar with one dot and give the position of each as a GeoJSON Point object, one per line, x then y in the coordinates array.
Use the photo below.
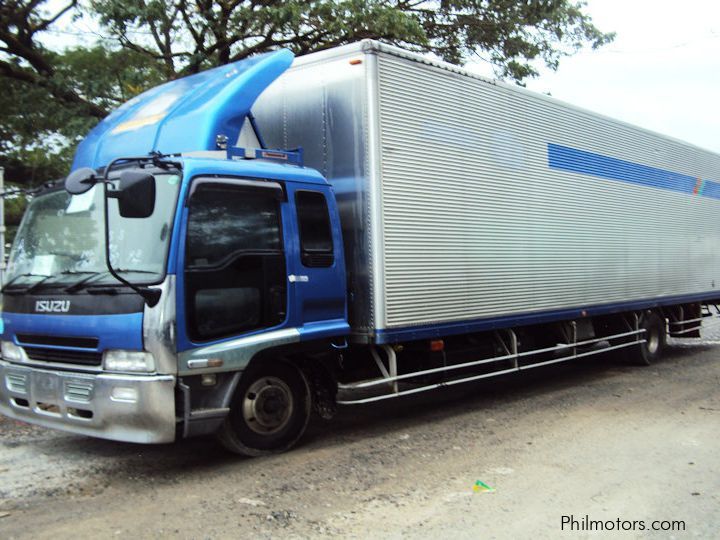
{"type": "Point", "coordinates": [509, 340]}
{"type": "Point", "coordinates": [678, 325]}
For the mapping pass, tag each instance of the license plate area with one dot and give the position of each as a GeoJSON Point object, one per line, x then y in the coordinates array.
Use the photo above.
{"type": "Point", "coordinates": [46, 388]}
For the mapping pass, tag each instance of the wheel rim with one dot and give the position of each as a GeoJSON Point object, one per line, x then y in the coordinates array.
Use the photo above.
{"type": "Point", "coordinates": [267, 405]}
{"type": "Point", "coordinates": [653, 339]}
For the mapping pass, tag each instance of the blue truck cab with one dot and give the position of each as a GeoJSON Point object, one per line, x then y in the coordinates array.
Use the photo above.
{"type": "Point", "coordinates": [164, 329]}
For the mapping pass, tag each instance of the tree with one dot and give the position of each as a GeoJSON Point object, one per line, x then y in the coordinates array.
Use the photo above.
{"type": "Point", "coordinates": [186, 36]}
{"type": "Point", "coordinates": [39, 132]}
{"type": "Point", "coordinates": [53, 97]}
{"type": "Point", "coordinates": [27, 60]}
{"type": "Point", "coordinates": [50, 99]}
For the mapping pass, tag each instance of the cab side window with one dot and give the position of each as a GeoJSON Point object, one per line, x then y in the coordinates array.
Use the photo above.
{"type": "Point", "coordinates": [316, 244]}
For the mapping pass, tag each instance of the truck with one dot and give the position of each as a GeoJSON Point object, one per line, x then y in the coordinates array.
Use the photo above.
{"type": "Point", "coordinates": [237, 250]}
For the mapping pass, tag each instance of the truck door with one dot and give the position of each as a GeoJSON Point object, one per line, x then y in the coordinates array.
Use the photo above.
{"type": "Point", "coordinates": [235, 271]}
{"type": "Point", "coordinates": [317, 271]}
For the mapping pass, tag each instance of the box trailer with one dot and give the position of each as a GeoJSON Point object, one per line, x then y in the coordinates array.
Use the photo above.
{"type": "Point", "coordinates": [237, 249]}
{"type": "Point", "coordinates": [469, 204]}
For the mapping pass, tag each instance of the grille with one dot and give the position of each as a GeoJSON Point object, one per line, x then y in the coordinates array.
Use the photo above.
{"type": "Point", "coordinates": [16, 383]}
{"type": "Point", "coordinates": [59, 341]}
{"type": "Point", "coordinates": [78, 391]}
{"type": "Point", "coordinates": [66, 357]}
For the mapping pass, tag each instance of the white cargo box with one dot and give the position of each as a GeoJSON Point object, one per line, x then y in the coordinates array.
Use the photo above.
{"type": "Point", "coordinates": [470, 204]}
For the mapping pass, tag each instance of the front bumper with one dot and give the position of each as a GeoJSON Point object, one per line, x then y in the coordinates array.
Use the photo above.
{"type": "Point", "coordinates": [131, 408]}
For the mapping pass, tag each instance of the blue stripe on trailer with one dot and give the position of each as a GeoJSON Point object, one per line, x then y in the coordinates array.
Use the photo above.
{"type": "Point", "coordinates": [395, 335]}
{"type": "Point", "coordinates": [710, 189]}
{"type": "Point", "coordinates": [574, 160]}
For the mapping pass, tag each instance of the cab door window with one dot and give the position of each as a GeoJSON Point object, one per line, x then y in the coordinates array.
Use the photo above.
{"type": "Point", "coordinates": [234, 261]}
{"type": "Point", "coordinates": [316, 244]}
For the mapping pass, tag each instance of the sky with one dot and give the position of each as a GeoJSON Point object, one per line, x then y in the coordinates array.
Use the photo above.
{"type": "Point", "coordinates": [662, 72]}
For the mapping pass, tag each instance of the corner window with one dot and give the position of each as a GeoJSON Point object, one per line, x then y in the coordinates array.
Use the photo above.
{"type": "Point", "coordinates": [316, 244]}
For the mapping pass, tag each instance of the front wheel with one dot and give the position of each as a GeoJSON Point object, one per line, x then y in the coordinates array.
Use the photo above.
{"type": "Point", "coordinates": [269, 411]}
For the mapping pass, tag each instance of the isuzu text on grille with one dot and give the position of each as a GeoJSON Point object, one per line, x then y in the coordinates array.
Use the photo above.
{"type": "Point", "coordinates": [52, 306]}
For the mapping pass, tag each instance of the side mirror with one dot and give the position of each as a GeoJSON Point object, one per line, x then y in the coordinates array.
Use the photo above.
{"type": "Point", "coordinates": [81, 180]}
{"type": "Point", "coordinates": [135, 194]}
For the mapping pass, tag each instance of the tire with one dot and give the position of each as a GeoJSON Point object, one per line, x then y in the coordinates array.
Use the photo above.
{"type": "Point", "coordinates": [650, 351]}
{"type": "Point", "coordinates": [269, 411]}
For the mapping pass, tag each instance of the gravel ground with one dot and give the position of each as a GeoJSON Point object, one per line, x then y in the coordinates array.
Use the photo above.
{"type": "Point", "coordinates": [592, 438]}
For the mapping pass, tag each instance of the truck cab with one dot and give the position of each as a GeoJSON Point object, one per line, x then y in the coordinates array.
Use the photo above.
{"type": "Point", "coordinates": [189, 320]}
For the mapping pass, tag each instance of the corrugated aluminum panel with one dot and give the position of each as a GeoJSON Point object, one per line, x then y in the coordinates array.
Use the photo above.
{"type": "Point", "coordinates": [476, 224]}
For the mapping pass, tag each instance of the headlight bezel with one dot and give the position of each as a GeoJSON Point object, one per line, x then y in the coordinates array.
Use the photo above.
{"type": "Point", "coordinates": [125, 361]}
{"type": "Point", "coordinates": [11, 352]}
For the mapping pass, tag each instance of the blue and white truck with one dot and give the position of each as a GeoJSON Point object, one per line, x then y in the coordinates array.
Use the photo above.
{"type": "Point", "coordinates": [238, 249]}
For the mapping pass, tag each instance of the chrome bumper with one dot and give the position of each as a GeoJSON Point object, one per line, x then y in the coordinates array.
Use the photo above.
{"type": "Point", "coordinates": [131, 408]}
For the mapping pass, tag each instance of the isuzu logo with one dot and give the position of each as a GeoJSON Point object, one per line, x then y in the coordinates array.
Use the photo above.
{"type": "Point", "coordinates": [52, 306]}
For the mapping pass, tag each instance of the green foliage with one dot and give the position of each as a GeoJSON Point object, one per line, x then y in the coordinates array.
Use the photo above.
{"type": "Point", "coordinates": [510, 34]}
{"type": "Point", "coordinates": [37, 136]}
{"type": "Point", "coordinates": [14, 210]}
{"type": "Point", "coordinates": [51, 98]}
{"type": "Point", "coordinates": [39, 133]}
{"type": "Point", "coordinates": [185, 36]}
{"type": "Point", "coordinates": [106, 77]}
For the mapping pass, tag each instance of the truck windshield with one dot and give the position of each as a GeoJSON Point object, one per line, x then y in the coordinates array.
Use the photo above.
{"type": "Point", "coordinates": [61, 239]}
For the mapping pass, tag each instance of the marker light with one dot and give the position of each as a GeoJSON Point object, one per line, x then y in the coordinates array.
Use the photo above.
{"type": "Point", "coordinates": [121, 393]}
{"type": "Point", "coordinates": [119, 360]}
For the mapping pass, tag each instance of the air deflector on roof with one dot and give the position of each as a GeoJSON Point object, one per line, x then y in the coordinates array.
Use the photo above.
{"type": "Point", "coordinates": [185, 115]}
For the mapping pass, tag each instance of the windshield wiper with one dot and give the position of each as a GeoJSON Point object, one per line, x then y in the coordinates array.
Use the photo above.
{"type": "Point", "coordinates": [150, 296]}
{"type": "Point", "coordinates": [25, 289]}
{"type": "Point", "coordinates": [34, 286]}
{"type": "Point", "coordinates": [127, 270]}
{"type": "Point", "coordinates": [77, 272]}
{"type": "Point", "coordinates": [96, 276]}
{"type": "Point", "coordinates": [84, 282]}
{"type": "Point", "coordinates": [37, 284]}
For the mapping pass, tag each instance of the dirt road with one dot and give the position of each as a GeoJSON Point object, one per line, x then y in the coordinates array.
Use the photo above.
{"type": "Point", "coordinates": [594, 439]}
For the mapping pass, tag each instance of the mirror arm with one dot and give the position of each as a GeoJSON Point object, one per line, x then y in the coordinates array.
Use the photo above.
{"type": "Point", "coordinates": [91, 181]}
{"type": "Point", "coordinates": [150, 296]}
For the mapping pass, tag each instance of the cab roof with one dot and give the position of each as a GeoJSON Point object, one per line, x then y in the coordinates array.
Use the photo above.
{"type": "Point", "coordinates": [254, 168]}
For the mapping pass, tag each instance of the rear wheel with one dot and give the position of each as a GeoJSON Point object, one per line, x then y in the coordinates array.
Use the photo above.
{"type": "Point", "coordinates": [655, 339]}
{"type": "Point", "coordinates": [269, 411]}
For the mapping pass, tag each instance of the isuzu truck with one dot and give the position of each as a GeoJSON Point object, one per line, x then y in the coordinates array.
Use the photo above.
{"type": "Point", "coordinates": [239, 249]}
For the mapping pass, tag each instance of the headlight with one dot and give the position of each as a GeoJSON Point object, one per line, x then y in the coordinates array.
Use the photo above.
{"type": "Point", "coordinates": [128, 361]}
{"type": "Point", "coordinates": [11, 352]}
